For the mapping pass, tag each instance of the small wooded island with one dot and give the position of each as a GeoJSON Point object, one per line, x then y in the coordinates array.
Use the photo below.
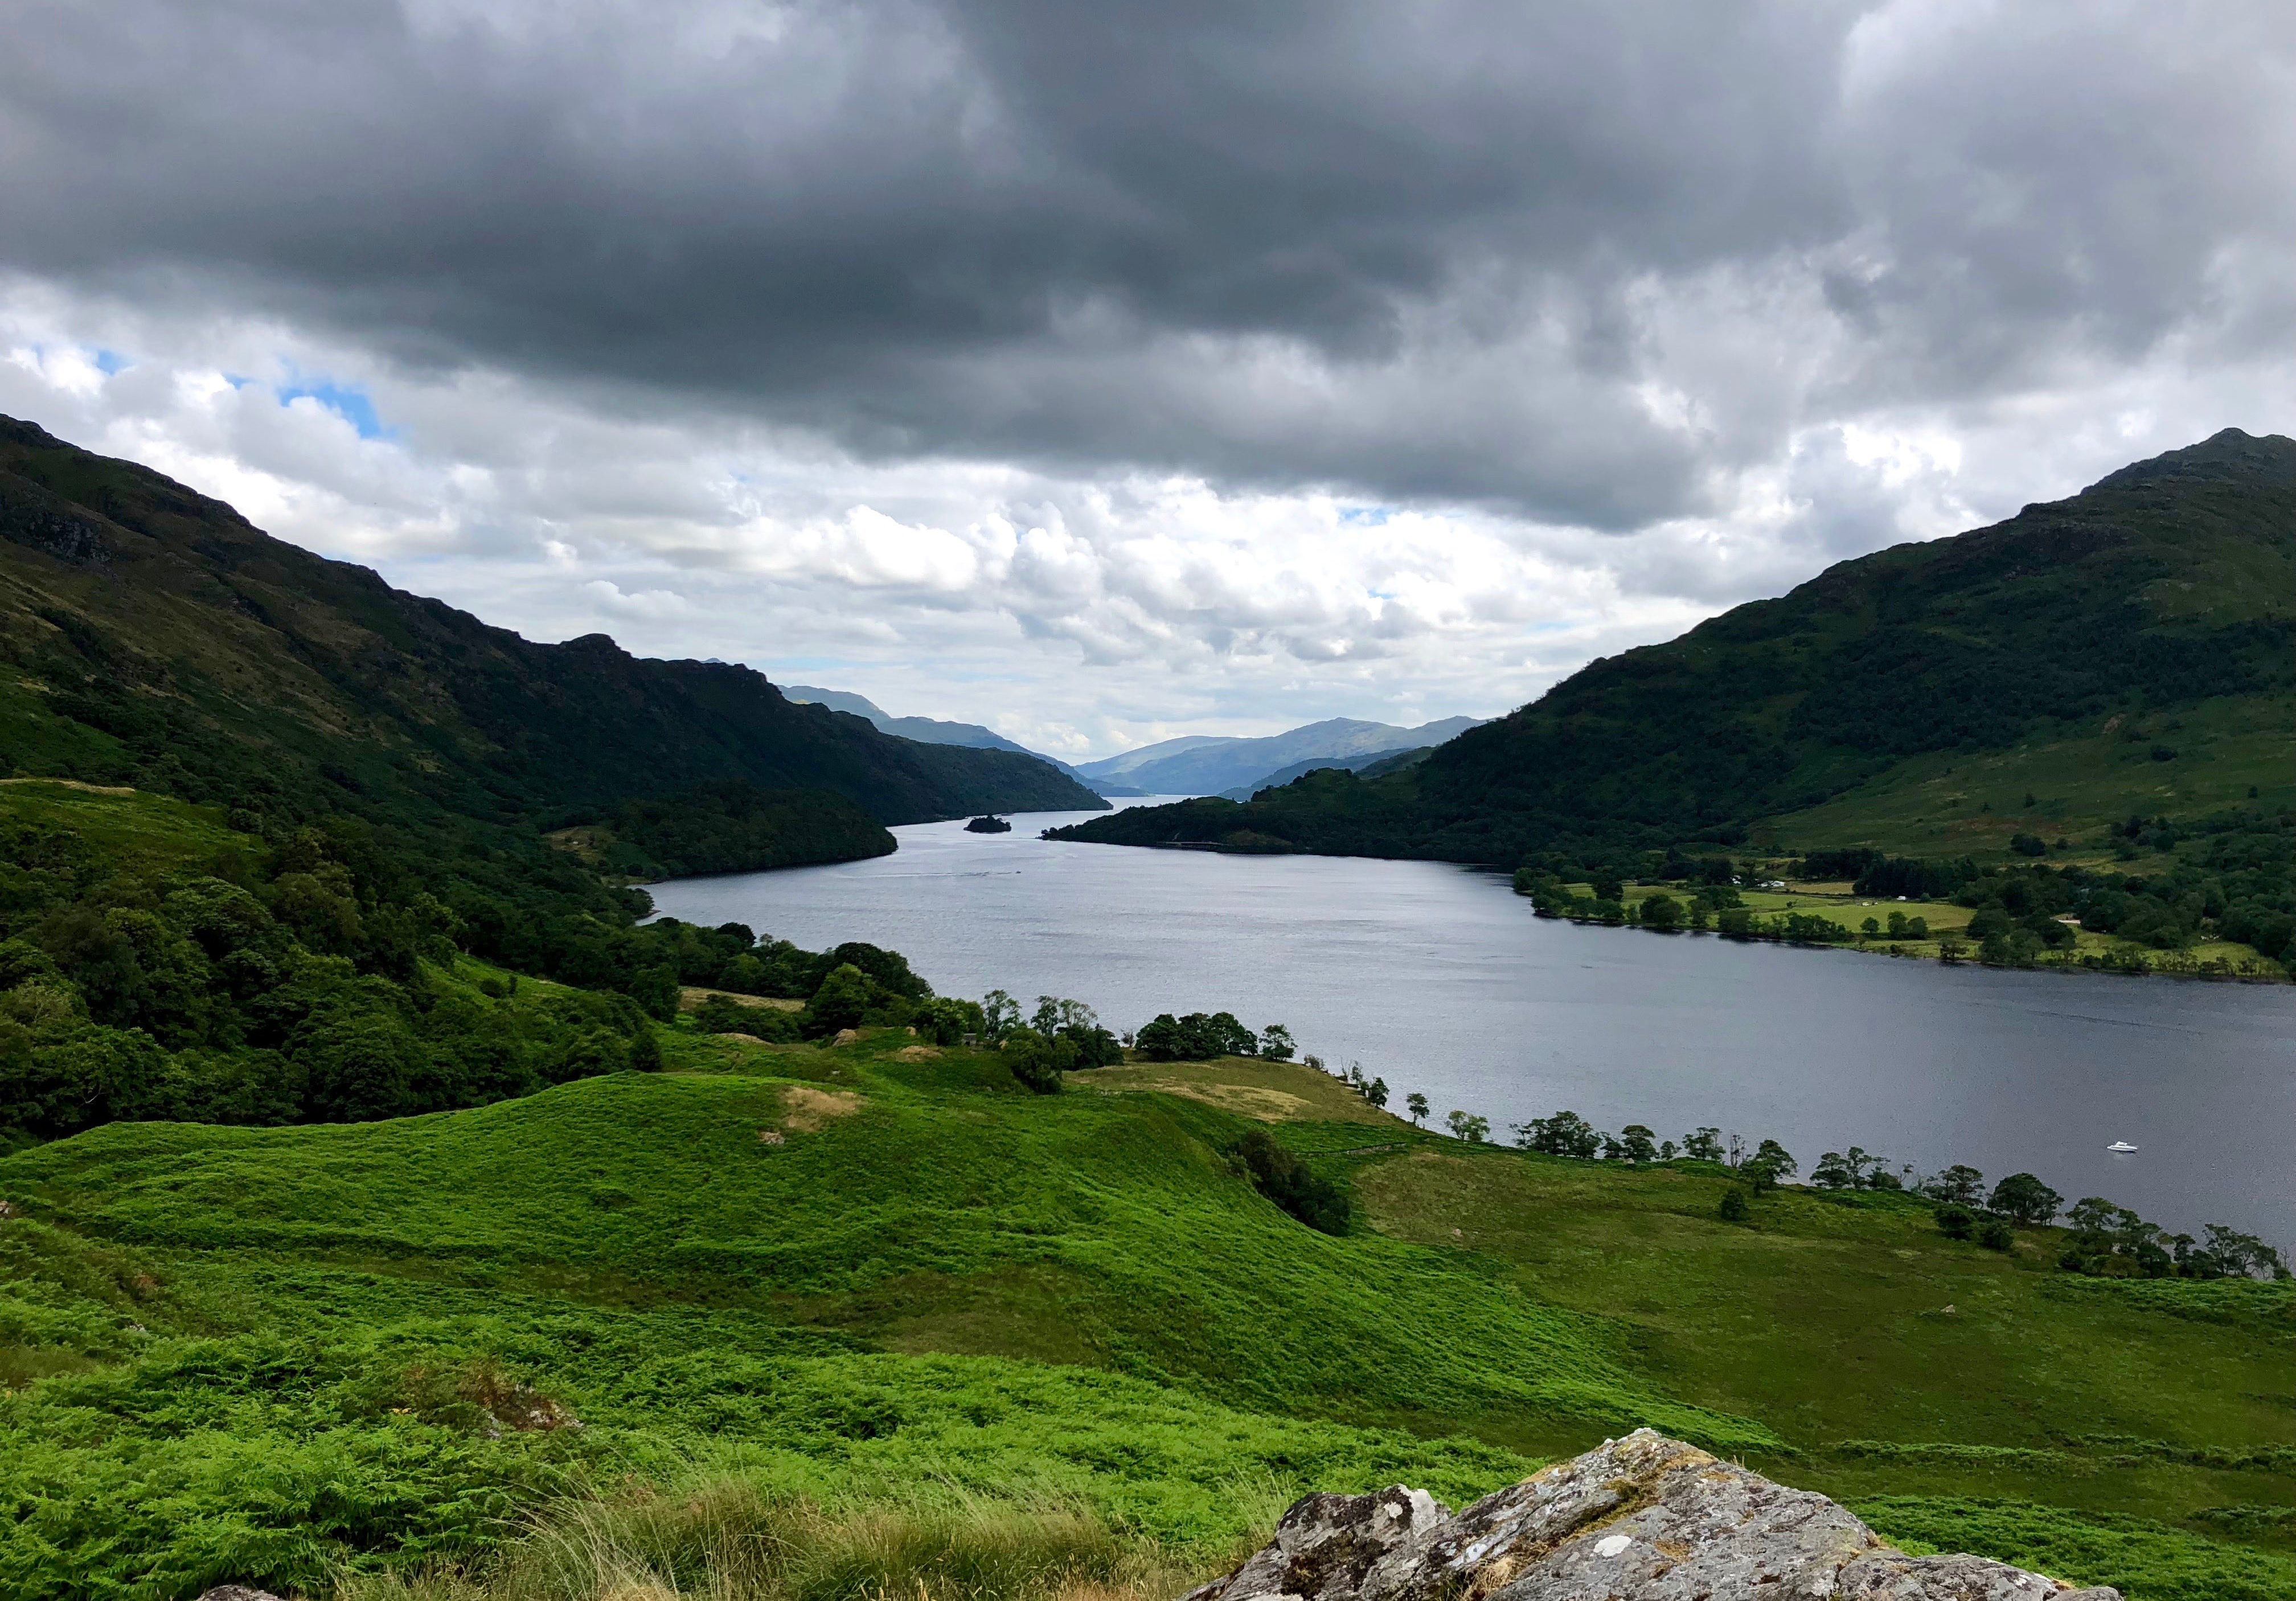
{"type": "Point", "coordinates": [990, 824]}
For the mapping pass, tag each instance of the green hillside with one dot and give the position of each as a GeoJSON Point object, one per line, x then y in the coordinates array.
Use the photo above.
{"type": "Point", "coordinates": [880, 1280]}
{"type": "Point", "coordinates": [2129, 651]}
{"type": "Point", "coordinates": [158, 641]}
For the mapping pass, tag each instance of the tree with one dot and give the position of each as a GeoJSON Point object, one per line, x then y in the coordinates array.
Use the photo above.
{"type": "Point", "coordinates": [1565, 1135]}
{"type": "Point", "coordinates": [1467, 1126]}
{"type": "Point", "coordinates": [1607, 888]}
{"type": "Point", "coordinates": [1417, 1105]}
{"type": "Point", "coordinates": [1036, 1061]}
{"type": "Point", "coordinates": [2026, 1199]}
{"type": "Point", "coordinates": [1734, 1208]}
{"type": "Point", "coordinates": [1951, 947]}
{"type": "Point", "coordinates": [1995, 1234]}
{"type": "Point", "coordinates": [839, 1002]}
{"type": "Point", "coordinates": [998, 1013]}
{"type": "Point", "coordinates": [1375, 1092]}
{"type": "Point", "coordinates": [1956, 1221]}
{"type": "Point", "coordinates": [1834, 1171]}
{"type": "Point", "coordinates": [1637, 1144]}
{"type": "Point", "coordinates": [1770, 1165]}
{"type": "Point", "coordinates": [1661, 911]}
{"type": "Point", "coordinates": [1872, 927]}
{"type": "Point", "coordinates": [1159, 1039]}
{"type": "Point", "coordinates": [1276, 1043]}
{"type": "Point", "coordinates": [1959, 1184]}
{"type": "Point", "coordinates": [1704, 1145]}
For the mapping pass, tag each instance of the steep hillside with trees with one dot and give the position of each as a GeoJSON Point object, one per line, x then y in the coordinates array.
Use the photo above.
{"type": "Point", "coordinates": [2165, 592]}
{"type": "Point", "coordinates": [158, 638]}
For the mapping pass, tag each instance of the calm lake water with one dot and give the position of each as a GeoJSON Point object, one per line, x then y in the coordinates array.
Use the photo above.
{"type": "Point", "coordinates": [1438, 980]}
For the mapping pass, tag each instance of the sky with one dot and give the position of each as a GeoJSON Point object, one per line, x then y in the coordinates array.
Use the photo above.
{"type": "Point", "coordinates": [1111, 372]}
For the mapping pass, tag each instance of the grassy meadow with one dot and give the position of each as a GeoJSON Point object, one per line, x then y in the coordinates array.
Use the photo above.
{"type": "Point", "coordinates": [874, 1311]}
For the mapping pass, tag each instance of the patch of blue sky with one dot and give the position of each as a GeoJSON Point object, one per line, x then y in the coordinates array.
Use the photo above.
{"type": "Point", "coordinates": [1368, 516]}
{"type": "Point", "coordinates": [109, 361]}
{"type": "Point", "coordinates": [353, 405]}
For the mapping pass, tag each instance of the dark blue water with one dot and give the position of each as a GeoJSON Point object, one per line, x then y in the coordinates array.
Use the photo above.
{"type": "Point", "coordinates": [1438, 980]}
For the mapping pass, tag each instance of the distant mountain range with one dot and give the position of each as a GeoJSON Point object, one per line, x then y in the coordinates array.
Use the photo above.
{"type": "Point", "coordinates": [2129, 652]}
{"type": "Point", "coordinates": [925, 730]}
{"type": "Point", "coordinates": [1191, 765]}
{"type": "Point", "coordinates": [1208, 764]}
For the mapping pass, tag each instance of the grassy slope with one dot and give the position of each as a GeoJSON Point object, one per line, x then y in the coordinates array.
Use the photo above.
{"type": "Point", "coordinates": [2234, 753]}
{"type": "Point", "coordinates": [209, 1300]}
{"type": "Point", "coordinates": [130, 832]}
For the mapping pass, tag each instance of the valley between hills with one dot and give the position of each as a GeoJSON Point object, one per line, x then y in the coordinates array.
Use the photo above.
{"type": "Point", "coordinates": [392, 1207]}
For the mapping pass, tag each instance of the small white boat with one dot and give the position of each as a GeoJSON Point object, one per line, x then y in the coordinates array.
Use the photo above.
{"type": "Point", "coordinates": [2120, 1146]}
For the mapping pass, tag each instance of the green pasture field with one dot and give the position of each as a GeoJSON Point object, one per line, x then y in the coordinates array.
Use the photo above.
{"type": "Point", "coordinates": [286, 1353]}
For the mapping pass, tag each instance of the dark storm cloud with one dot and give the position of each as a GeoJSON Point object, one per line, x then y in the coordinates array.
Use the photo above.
{"type": "Point", "coordinates": [1577, 261]}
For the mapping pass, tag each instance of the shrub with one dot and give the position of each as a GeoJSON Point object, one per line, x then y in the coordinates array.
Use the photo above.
{"type": "Point", "coordinates": [1956, 1221]}
{"type": "Point", "coordinates": [1286, 1181]}
{"type": "Point", "coordinates": [1038, 1062]}
{"type": "Point", "coordinates": [1995, 1234]}
{"type": "Point", "coordinates": [1734, 1208]}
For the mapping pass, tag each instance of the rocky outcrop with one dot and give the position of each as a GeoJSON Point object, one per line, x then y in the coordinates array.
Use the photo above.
{"type": "Point", "coordinates": [1644, 1518]}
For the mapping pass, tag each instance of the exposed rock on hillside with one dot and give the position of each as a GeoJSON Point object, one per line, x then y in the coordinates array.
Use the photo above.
{"type": "Point", "coordinates": [1643, 1519]}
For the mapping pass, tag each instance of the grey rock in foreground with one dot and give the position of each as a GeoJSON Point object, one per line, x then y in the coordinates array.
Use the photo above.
{"type": "Point", "coordinates": [1643, 1519]}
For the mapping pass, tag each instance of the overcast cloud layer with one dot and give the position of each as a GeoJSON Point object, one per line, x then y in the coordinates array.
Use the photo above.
{"type": "Point", "coordinates": [1112, 372]}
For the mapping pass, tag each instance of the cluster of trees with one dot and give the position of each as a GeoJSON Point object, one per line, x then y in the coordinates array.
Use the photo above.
{"type": "Point", "coordinates": [1373, 1089]}
{"type": "Point", "coordinates": [311, 975]}
{"type": "Point", "coordinates": [1552, 897]}
{"type": "Point", "coordinates": [1201, 1037]}
{"type": "Point", "coordinates": [2240, 884]}
{"type": "Point", "coordinates": [2113, 1241]}
{"type": "Point", "coordinates": [303, 979]}
{"type": "Point", "coordinates": [2105, 1238]}
{"type": "Point", "coordinates": [1568, 1134]}
{"type": "Point", "coordinates": [1060, 1036]}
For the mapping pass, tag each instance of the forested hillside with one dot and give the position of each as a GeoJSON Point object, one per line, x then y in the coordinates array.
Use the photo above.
{"type": "Point", "coordinates": [159, 639]}
{"type": "Point", "coordinates": [2150, 620]}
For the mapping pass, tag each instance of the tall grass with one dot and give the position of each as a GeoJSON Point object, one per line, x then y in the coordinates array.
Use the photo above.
{"type": "Point", "coordinates": [730, 1540]}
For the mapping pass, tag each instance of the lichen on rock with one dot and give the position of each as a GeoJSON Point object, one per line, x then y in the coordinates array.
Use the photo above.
{"type": "Point", "coordinates": [1644, 1518]}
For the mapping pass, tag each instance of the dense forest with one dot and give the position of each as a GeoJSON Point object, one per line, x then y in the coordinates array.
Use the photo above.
{"type": "Point", "coordinates": [173, 967]}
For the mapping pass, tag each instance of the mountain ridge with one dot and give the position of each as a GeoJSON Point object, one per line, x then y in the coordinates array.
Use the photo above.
{"type": "Point", "coordinates": [161, 639]}
{"type": "Point", "coordinates": [924, 731]}
{"type": "Point", "coordinates": [1206, 764]}
{"type": "Point", "coordinates": [2169, 586]}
